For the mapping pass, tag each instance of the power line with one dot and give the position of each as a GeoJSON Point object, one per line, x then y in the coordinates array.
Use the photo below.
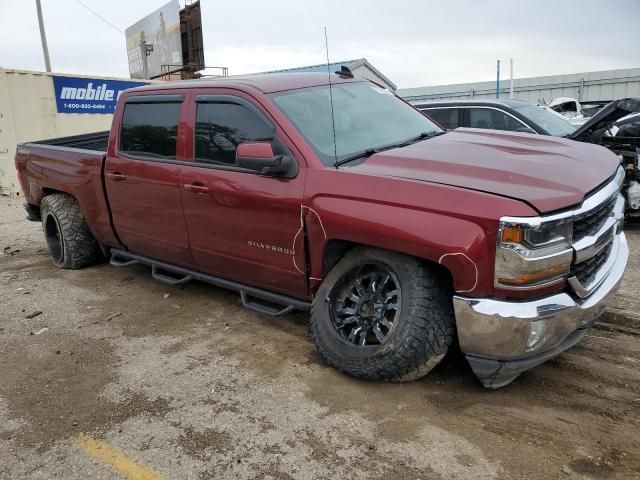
{"type": "Point", "coordinates": [99, 16]}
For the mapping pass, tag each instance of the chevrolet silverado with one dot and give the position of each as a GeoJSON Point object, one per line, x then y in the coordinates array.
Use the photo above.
{"type": "Point", "coordinates": [328, 193]}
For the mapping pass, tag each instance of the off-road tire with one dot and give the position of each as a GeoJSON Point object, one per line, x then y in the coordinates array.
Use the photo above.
{"type": "Point", "coordinates": [425, 329]}
{"type": "Point", "coordinates": [74, 246]}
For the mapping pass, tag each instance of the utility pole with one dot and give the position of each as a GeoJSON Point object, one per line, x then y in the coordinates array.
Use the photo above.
{"type": "Point", "coordinates": [511, 75]}
{"type": "Point", "coordinates": [498, 80]}
{"type": "Point", "coordinates": [43, 37]}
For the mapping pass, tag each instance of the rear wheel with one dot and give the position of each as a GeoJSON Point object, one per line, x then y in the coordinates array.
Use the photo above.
{"type": "Point", "coordinates": [71, 244]}
{"type": "Point", "coordinates": [383, 315]}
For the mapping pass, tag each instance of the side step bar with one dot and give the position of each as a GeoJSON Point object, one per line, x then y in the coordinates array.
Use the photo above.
{"type": "Point", "coordinates": [173, 275]}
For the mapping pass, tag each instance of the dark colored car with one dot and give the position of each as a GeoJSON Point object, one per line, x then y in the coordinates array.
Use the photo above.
{"type": "Point", "coordinates": [510, 115]}
{"type": "Point", "coordinates": [400, 238]}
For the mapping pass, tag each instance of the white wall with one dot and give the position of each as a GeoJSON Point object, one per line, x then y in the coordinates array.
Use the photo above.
{"type": "Point", "coordinates": [28, 113]}
{"type": "Point", "coordinates": [588, 86]}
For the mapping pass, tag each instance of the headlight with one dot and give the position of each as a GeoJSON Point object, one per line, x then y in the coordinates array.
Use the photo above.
{"type": "Point", "coordinates": [532, 252]}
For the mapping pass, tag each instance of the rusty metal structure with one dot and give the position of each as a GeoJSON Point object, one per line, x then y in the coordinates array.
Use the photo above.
{"type": "Point", "coordinates": [192, 47]}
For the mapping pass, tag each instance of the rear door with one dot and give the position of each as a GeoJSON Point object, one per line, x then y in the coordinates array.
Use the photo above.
{"type": "Point", "coordinates": [495, 119]}
{"type": "Point", "coordinates": [449, 117]}
{"type": "Point", "coordinates": [242, 225]}
{"type": "Point", "coordinates": [142, 177]}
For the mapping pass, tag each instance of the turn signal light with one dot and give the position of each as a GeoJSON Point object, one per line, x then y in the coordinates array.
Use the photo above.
{"type": "Point", "coordinates": [532, 278]}
{"type": "Point", "coordinates": [511, 235]}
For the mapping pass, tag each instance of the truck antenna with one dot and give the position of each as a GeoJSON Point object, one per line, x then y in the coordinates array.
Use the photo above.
{"type": "Point", "coordinates": [333, 121]}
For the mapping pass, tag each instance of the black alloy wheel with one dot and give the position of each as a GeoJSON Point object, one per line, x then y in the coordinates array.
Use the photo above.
{"type": "Point", "coordinates": [365, 304]}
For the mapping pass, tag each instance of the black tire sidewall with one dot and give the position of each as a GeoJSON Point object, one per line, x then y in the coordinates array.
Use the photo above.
{"type": "Point", "coordinates": [46, 212]}
{"type": "Point", "coordinates": [63, 247]}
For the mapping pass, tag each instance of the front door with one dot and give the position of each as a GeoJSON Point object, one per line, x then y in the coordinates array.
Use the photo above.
{"type": "Point", "coordinates": [242, 225]}
{"type": "Point", "coordinates": [142, 178]}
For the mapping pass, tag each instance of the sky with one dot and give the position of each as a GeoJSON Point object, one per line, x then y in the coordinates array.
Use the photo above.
{"type": "Point", "coordinates": [413, 42]}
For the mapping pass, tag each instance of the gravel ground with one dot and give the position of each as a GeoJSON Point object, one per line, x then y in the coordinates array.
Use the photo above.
{"type": "Point", "coordinates": [184, 383]}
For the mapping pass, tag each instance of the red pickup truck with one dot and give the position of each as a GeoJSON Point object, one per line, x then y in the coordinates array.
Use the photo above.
{"type": "Point", "coordinates": [342, 199]}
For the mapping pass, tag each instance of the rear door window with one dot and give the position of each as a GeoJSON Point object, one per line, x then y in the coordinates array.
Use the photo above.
{"type": "Point", "coordinates": [221, 127]}
{"type": "Point", "coordinates": [493, 119]}
{"type": "Point", "coordinates": [150, 129]}
{"type": "Point", "coordinates": [449, 118]}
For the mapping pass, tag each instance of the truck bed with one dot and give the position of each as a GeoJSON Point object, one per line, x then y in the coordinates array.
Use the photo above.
{"type": "Point", "coordinates": [96, 141]}
{"type": "Point", "coordinates": [71, 165]}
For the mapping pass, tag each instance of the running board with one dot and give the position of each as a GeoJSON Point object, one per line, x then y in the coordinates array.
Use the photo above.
{"type": "Point", "coordinates": [157, 274]}
{"type": "Point", "coordinates": [118, 261]}
{"type": "Point", "coordinates": [173, 275]}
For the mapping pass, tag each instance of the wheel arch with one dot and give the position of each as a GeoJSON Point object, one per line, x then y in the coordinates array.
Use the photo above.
{"type": "Point", "coordinates": [336, 249]}
{"type": "Point", "coordinates": [455, 245]}
{"type": "Point", "coordinates": [93, 206]}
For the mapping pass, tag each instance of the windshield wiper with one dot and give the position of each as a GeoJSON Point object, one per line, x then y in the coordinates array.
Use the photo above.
{"type": "Point", "coordinates": [364, 154]}
{"type": "Point", "coordinates": [418, 138]}
{"type": "Point", "coordinates": [370, 151]}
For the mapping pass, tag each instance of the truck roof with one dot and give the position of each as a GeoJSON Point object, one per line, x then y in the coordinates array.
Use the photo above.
{"type": "Point", "coordinates": [265, 82]}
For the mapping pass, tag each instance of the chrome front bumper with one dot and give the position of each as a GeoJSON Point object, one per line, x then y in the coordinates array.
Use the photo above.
{"type": "Point", "coordinates": [496, 335]}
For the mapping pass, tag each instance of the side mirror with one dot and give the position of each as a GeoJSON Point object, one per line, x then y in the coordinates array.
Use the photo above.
{"type": "Point", "coordinates": [259, 157]}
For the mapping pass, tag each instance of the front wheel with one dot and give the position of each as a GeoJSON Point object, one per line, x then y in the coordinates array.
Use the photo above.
{"type": "Point", "coordinates": [383, 315]}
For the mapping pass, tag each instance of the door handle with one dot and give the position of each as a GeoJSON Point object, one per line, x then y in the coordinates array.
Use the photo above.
{"type": "Point", "coordinates": [116, 176]}
{"type": "Point", "coordinates": [196, 188]}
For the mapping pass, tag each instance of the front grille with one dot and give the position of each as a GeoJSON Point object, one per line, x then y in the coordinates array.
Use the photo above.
{"type": "Point", "coordinates": [586, 271]}
{"type": "Point", "coordinates": [591, 222]}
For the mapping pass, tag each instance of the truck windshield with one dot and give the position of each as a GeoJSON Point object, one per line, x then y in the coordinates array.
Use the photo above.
{"type": "Point", "coordinates": [367, 117]}
{"type": "Point", "coordinates": [553, 123]}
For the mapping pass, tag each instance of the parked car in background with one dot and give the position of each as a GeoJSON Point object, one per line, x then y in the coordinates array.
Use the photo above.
{"type": "Point", "coordinates": [399, 237]}
{"type": "Point", "coordinates": [576, 112]}
{"type": "Point", "coordinates": [613, 126]}
{"type": "Point", "coordinates": [499, 114]}
{"type": "Point", "coordinates": [571, 109]}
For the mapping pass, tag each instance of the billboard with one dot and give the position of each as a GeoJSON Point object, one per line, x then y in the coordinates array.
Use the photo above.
{"type": "Point", "coordinates": [161, 30]}
{"type": "Point", "coordinates": [88, 95]}
{"type": "Point", "coordinates": [192, 43]}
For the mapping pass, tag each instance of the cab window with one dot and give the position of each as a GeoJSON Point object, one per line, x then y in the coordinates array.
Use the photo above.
{"type": "Point", "coordinates": [221, 127]}
{"type": "Point", "coordinates": [150, 129]}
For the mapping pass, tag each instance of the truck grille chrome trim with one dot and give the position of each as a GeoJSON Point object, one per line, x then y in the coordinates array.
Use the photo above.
{"type": "Point", "coordinates": [590, 245]}
{"type": "Point", "coordinates": [586, 271]}
{"type": "Point", "coordinates": [588, 224]}
{"type": "Point", "coordinates": [588, 275]}
{"type": "Point", "coordinates": [597, 245]}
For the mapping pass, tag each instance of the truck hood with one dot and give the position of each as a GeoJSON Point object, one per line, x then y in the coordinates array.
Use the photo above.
{"type": "Point", "coordinates": [546, 172]}
{"type": "Point", "coordinates": [607, 115]}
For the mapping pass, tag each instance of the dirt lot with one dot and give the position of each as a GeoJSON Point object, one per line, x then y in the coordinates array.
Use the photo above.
{"type": "Point", "coordinates": [123, 377]}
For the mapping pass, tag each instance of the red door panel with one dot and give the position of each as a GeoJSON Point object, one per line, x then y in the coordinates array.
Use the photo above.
{"type": "Point", "coordinates": [146, 207]}
{"type": "Point", "coordinates": [243, 226]}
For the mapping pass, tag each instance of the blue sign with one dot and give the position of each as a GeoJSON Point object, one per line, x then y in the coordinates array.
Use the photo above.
{"type": "Point", "coordinates": [89, 95]}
